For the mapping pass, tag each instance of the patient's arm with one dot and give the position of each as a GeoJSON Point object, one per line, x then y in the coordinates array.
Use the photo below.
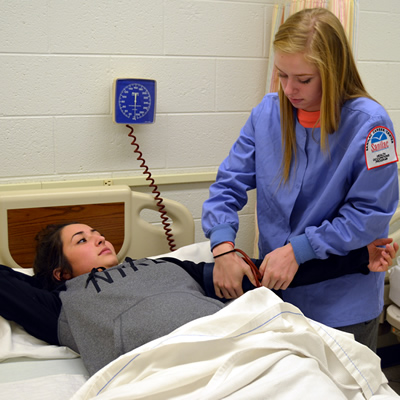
{"type": "Point", "coordinates": [363, 260]}
{"type": "Point", "coordinates": [381, 254]}
{"type": "Point", "coordinates": [23, 301]}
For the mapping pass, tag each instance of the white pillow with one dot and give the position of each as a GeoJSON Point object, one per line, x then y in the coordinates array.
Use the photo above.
{"type": "Point", "coordinates": [16, 342]}
{"type": "Point", "coordinates": [26, 271]}
{"type": "Point", "coordinates": [196, 252]}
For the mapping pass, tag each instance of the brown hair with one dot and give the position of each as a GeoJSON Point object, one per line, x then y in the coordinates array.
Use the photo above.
{"type": "Point", "coordinates": [50, 255]}
{"type": "Point", "coordinates": [318, 34]}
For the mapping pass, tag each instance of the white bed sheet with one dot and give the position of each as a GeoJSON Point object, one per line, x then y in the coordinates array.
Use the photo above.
{"type": "Point", "coordinates": [32, 369]}
{"type": "Point", "coordinates": [16, 342]}
{"type": "Point", "coordinates": [55, 387]}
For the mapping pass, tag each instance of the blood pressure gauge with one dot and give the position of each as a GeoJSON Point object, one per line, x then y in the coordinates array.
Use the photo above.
{"type": "Point", "coordinates": [134, 101]}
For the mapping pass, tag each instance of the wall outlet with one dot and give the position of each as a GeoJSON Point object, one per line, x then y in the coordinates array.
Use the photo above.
{"type": "Point", "coordinates": [107, 182]}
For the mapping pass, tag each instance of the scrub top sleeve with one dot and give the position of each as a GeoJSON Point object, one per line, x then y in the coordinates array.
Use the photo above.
{"type": "Point", "coordinates": [302, 249]}
{"type": "Point", "coordinates": [228, 195]}
{"type": "Point", "coordinates": [222, 233]}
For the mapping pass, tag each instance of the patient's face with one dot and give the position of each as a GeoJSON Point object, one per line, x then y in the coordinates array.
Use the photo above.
{"type": "Point", "coordinates": [85, 248]}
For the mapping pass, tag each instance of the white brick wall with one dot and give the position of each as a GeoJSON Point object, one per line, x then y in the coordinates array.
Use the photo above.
{"type": "Point", "coordinates": [58, 59]}
{"type": "Point", "coordinates": [379, 54]}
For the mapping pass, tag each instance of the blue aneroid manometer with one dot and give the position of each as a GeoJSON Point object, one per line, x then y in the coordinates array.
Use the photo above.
{"type": "Point", "coordinates": [134, 101]}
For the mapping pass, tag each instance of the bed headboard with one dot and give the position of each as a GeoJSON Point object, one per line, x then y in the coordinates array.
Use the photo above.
{"type": "Point", "coordinates": [116, 211]}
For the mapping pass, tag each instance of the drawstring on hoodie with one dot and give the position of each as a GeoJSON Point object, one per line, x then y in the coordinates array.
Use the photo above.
{"type": "Point", "coordinates": [92, 275]}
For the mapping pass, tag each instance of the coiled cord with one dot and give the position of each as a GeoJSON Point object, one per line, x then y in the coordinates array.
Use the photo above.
{"type": "Point", "coordinates": [155, 191]}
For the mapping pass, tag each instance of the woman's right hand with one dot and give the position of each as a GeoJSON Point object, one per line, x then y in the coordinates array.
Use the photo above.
{"type": "Point", "coordinates": [229, 271]}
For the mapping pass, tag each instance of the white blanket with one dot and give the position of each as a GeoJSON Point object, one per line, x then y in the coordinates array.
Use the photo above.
{"type": "Point", "coordinates": [256, 348]}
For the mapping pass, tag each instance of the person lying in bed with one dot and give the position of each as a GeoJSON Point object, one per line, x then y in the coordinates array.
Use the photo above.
{"type": "Point", "coordinates": [83, 298]}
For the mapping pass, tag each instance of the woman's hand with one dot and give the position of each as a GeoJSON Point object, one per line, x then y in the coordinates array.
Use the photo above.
{"type": "Point", "coordinates": [279, 268]}
{"type": "Point", "coordinates": [381, 258]}
{"type": "Point", "coordinates": [229, 271]}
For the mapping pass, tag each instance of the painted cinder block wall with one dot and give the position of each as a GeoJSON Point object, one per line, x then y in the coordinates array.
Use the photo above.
{"type": "Point", "coordinates": [58, 60]}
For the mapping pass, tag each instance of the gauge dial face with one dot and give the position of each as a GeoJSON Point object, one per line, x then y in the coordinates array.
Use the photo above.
{"type": "Point", "coordinates": [134, 101]}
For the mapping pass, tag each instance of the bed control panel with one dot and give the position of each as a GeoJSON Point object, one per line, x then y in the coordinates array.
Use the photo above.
{"type": "Point", "coordinates": [134, 101]}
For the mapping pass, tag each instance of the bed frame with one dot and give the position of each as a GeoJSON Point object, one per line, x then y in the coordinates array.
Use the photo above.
{"type": "Point", "coordinates": [116, 211]}
{"type": "Point", "coordinates": [392, 285]}
{"type": "Point", "coordinates": [122, 215]}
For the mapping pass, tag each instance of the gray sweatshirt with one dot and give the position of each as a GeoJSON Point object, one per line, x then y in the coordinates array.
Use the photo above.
{"type": "Point", "coordinates": [107, 313]}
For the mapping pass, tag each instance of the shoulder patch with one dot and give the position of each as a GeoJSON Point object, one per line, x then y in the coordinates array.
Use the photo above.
{"type": "Point", "coordinates": [380, 147]}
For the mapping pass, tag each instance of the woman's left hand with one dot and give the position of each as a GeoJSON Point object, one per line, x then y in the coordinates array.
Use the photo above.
{"type": "Point", "coordinates": [279, 268]}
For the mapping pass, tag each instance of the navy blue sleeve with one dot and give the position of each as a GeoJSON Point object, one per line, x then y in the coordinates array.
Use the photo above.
{"type": "Point", "coordinates": [312, 271]}
{"type": "Point", "coordinates": [24, 301]}
{"type": "Point", "coordinates": [195, 270]}
{"type": "Point", "coordinates": [316, 270]}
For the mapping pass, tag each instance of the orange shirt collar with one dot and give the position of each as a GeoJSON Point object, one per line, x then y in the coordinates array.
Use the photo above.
{"type": "Point", "coordinates": [308, 119]}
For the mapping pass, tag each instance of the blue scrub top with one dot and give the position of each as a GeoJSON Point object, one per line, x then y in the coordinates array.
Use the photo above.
{"type": "Point", "coordinates": [334, 201]}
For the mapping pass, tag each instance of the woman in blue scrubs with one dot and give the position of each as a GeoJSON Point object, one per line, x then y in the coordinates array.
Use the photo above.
{"type": "Point", "coordinates": [322, 155]}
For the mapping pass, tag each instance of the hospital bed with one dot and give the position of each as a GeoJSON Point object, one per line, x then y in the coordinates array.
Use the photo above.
{"type": "Point", "coordinates": [256, 347]}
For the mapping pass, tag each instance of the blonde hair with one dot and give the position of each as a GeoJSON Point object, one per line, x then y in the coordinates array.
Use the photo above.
{"type": "Point", "coordinates": [319, 35]}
